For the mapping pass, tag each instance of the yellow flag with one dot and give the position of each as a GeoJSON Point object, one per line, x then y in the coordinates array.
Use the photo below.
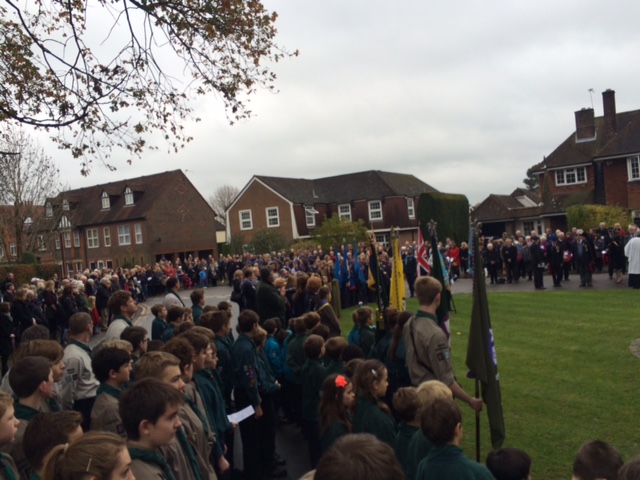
{"type": "Point", "coordinates": [397, 294]}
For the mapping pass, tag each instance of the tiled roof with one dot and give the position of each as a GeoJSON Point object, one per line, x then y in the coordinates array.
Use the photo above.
{"type": "Point", "coordinates": [506, 207]}
{"type": "Point", "coordinates": [369, 185]}
{"type": "Point", "coordinates": [86, 203]}
{"type": "Point", "coordinates": [570, 152]}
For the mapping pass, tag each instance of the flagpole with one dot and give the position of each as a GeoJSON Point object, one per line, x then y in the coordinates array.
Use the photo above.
{"type": "Point", "coordinates": [477, 382]}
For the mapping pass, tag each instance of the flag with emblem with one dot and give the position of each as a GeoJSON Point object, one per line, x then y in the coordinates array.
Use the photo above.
{"type": "Point", "coordinates": [397, 295]}
{"type": "Point", "coordinates": [423, 262]}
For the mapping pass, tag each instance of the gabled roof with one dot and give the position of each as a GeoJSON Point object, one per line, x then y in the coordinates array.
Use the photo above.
{"type": "Point", "coordinates": [370, 185]}
{"type": "Point", "coordinates": [86, 203]}
{"type": "Point", "coordinates": [624, 141]}
{"type": "Point", "coordinates": [507, 207]}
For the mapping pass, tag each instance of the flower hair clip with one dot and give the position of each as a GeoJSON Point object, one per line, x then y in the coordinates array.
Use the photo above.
{"type": "Point", "coordinates": [341, 382]}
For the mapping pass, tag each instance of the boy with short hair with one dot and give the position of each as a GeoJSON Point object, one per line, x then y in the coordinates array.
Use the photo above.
{"type": "Point", "coordinates": [313, 375]}
{"type": "Point", "coordinates": [441, 423]}
{"type": "Point", "coordinates": [405, 404]}
{"type": "Point", "coordinates": [183, 456]}
{"type": "Point", "coordinates": [597, 460]}
{"type": "Point", "coordinates": [138, 338]}
{"type": "Point", "coordinates": [8, 427]}
{"type": "Point", "coordinates": [122, 308]}
{"type": "Point", "coordinates": [333, 355]}
{"type": "Point", "coordinates": [149, 411]}
{"type": "Point", "coordinates": [46, 431]}
{"type": "Point", "coordinates": [197, 299]}
{"type": "Point", "coordinates": [112, 368]}
{"type": "Point", "coordinates": [175, 316]}
{"type": "Point", "coordinates": [509, 464]}
{"type": "Point", "coordinates": [31, 379]}
{"type": "Point", "coordinates": [159, 324]}
{"type": "Point", "coordinates": [293, 351]}
{"type": "Point", "coordinates": [219, 323]}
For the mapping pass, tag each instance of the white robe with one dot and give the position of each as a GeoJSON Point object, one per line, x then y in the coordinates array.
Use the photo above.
{"type": "Point", "coordinates": [632, 252]}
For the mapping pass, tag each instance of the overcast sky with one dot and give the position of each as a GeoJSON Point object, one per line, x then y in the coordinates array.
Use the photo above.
{"type": "Point", "coordinates": [464, 95]}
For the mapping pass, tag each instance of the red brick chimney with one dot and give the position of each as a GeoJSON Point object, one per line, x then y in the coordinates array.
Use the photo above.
{"type": "Point", "coordinates": [609, 104]}
{"type": "Point", "coordinates": [585, 124]}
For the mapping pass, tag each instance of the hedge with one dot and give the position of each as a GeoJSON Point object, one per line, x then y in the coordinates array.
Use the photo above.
{"type": "Point", "coordinates": [590, 216]}
{"type": "Point", "coordinates": [24, 273]}
{"type": "Point", "coordinates": [450, 211]}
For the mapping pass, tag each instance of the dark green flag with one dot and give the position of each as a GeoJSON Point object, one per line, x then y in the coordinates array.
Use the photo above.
{"type": "Point", "coordinates": [439, 272]}
{"type": "Point", "coordinates": [481, 352]}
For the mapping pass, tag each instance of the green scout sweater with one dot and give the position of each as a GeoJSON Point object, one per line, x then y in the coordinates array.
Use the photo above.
{"type": "Point", "coordinates": [448, 461]}
{"type": "Point", "coordinates": [296, 356]}
{"type": "Point", "coordinates": [335, 431]}
{"type": "Point", "coordinates": [313, 375]}
{"type": "Point", "coordinates": [214, 407]}
{"type": "Point", "coordinates": [158, 326]}
{"type": "Point", "coordinates": [225, 367]}
{"type": "Point", "coordinates": [401, 443]}
{"type": "Point", "coordinates": [418, 449]}
{"type": "Point", "coordinates": [368, 418]}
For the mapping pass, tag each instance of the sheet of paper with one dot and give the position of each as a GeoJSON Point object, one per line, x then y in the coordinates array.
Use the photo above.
{"type": "Point", "coordinates": [241, 415]}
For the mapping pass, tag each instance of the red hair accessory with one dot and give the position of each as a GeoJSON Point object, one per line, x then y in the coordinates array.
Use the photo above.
{"type": "Point", "coordinates": [341, 382]}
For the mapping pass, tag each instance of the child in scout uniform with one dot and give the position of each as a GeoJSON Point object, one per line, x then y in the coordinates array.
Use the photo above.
{"type": "Point", "coordinates": [183, 457]}
{"type": "Point", "coordinates": [335, 409]}
{"type": "Point", "coordinates": [513, 463]}
{"type": "Point", "coordinates": [139, 339]}
{"type": "Point", "coordinates": [175, 316]}
{"type": "Point", "coordinates": [313, 375]}
{"type": "Point", "coordinates": [47, 430]}
{"type": "Point", "coordinates": [419, 445]}
{"type": "Point", "coordinates": [149, 411]}
{"type": "Point", "coordinates": [159, 324]}
{"type": "Point", "coordinates": [405, 404]}
{"type": "Point", "coordinates": [8, 428]}
{"type": "Point", "coordinates": [192, 412]}
{"type": "Point", "coordinates": [595, 459]}
{"type": "Point", "coordinates": [112, 368]}
{"type": "Point", "coordinates": [441, 422]}
{"type": "Point", "coordinates": [371, 415]}
{"type": "Point", "coordinates": [363, 334]}
{"type": "Point", "coordinates": [293, 351]}
{"type": "Point", "coordinates": [333, 355]}
{"type": "Point", "coordinates": [197, 299]}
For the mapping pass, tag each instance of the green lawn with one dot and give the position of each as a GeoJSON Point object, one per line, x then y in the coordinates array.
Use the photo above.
{"type": "Point", "coordinates": [566, 372]}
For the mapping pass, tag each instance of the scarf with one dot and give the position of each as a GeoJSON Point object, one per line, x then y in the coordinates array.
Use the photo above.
{"type": "Point", "coordinates": [82, 346]}
{"type": "Point", "coordinates": [109, 390]}
{"type": "Point", "coordinates": [153, 458]}
{"type": "Point", "coordinates": [187, 448]}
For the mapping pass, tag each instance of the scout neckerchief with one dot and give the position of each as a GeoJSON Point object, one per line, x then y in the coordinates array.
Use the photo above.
{"type": "Point", "coordinates": [54, 405]}
{"type": "Point", "coordinates": [153, 458]}
{"type": "Point", "coordinates": [198, 412]}
{"type": "Point", "coordinates": [109, 390]}
{"type": "Point", "coordinates": [119, 316]}
{"type": "Point", "coordinates": [24, 412]}
{"type": "Point", "coordinates": [429, 316]}
{"type": "Point", "coordinates": [83, 346]}
{"type": "Point", "coordinates": [7, 472]}
{"type": "Point", "coordinates": [187, 448]}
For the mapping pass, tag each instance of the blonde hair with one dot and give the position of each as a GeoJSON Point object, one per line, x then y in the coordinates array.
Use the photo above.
{"type": "Point", "coordinates": [92, 455]}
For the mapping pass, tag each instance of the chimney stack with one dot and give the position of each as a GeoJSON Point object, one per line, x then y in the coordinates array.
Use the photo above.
{"type": "Point", "coordinates": [585, 124]}
{"type": "Point", "coordinates": [609, 104]}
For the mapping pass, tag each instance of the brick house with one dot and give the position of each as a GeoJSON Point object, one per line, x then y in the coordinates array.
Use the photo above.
{"type": "Point", "coordinates": [130, 222]}
{"type": "Point", "coordinates": [521, 210]}
{"type": "Point", "coordinates": [599, 163]}
{"type": "Point", "coordinates": [295, 206]}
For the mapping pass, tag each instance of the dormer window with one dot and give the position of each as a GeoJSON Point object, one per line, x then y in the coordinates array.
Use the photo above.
{"type": "Point", "coordinates": [65, 205]}
{"type": "Point", "coordinates": [48, 210]}
{"type": "Point", "coordinates": [106, 203]}
{"type": "Point", "coordinates": [128, 196]}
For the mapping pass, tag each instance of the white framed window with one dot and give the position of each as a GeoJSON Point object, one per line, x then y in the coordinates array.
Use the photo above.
{"type": "Point", "coordinates": [246, 222]}
{"type": "Point", "coordinates": [273, 217]}
{"type": "Point", "coordinates": [128, 196]}
{"type": "Point", "coordinates": [375, 210]}
{"type": "Point", "coordinates": [13, 249]}
{"type": "Point", "coordinates": [70, 269]}
{"type": "Point", "coordinates": [92, 238]}
{"type": "Point", "coordinates": [57, 242]}
{"type": "Point", "coordinates": [633, 168]}
{"type": "Point", "coordinates": [100, 264]}
{"type": "Point", "coordinates": [76, 238]}
{"type": "Point", "coordinates": [411, 210]}
{"type": "Point", "coordinates": [107, 236]}
{"type": "Point", "coordinates": [78, 267]}
{"type": "Point", "coordinates": [106, 202]}
{"type": "Point", "coordinates": [124, 235]}
{"type": "Point", "coordinates": [310, 215]}
{"type": "Point", "coordinates": [67, 239]}
{"type": "Point", "coordinates": [48, 210]}
{"type": "Point", "coordinates": [41, 245]}
{"type": "Point", "coordinates": [571, 176]}
{"type": "Point", "coordinates": [137, 228]}
{"type": "Point", "coordinates": [382, 239]}
{"type": "Point", "coordinates": [65, 205]}
{"type": "Point", "coordinates": [344, 211]}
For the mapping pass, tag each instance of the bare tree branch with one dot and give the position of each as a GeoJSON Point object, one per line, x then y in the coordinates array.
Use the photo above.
{"type": "Point", "coordinates": [222, 199]}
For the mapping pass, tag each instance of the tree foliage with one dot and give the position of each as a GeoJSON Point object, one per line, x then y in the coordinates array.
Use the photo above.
{"type": "Point", "coordinates": [335, 231]}
{"type": "Point", "coordinates": [27, 176]}
{"type": "Point", "coordinates": [590, 216]}
{"type": "Point", "coordinates": [532, 181]}
{"type": "Point", "coordinates": [101, 74]}
{"type": "Point", "coordinates": [267, 241]}
{"type": "Point", "coordinates": [221, 200]}
{"type": "Point", "coordinates": [449, 211]}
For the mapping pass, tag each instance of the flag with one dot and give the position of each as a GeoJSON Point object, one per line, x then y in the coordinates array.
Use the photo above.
{"type": "Point", "coordinates": [397, 295]}
{"type": "Point", "coordinates": [423, 264]}
{"type": "Point", "coordinates": [356, 264]}
{"type": "Point", "coordinates": [439, 273]}
{"type": "Point", "coordinates": [336, 266]}
{"type": "Point", "coordinates": [344, 273]}
{"type": "Point", "coordinates": [481, 352]}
